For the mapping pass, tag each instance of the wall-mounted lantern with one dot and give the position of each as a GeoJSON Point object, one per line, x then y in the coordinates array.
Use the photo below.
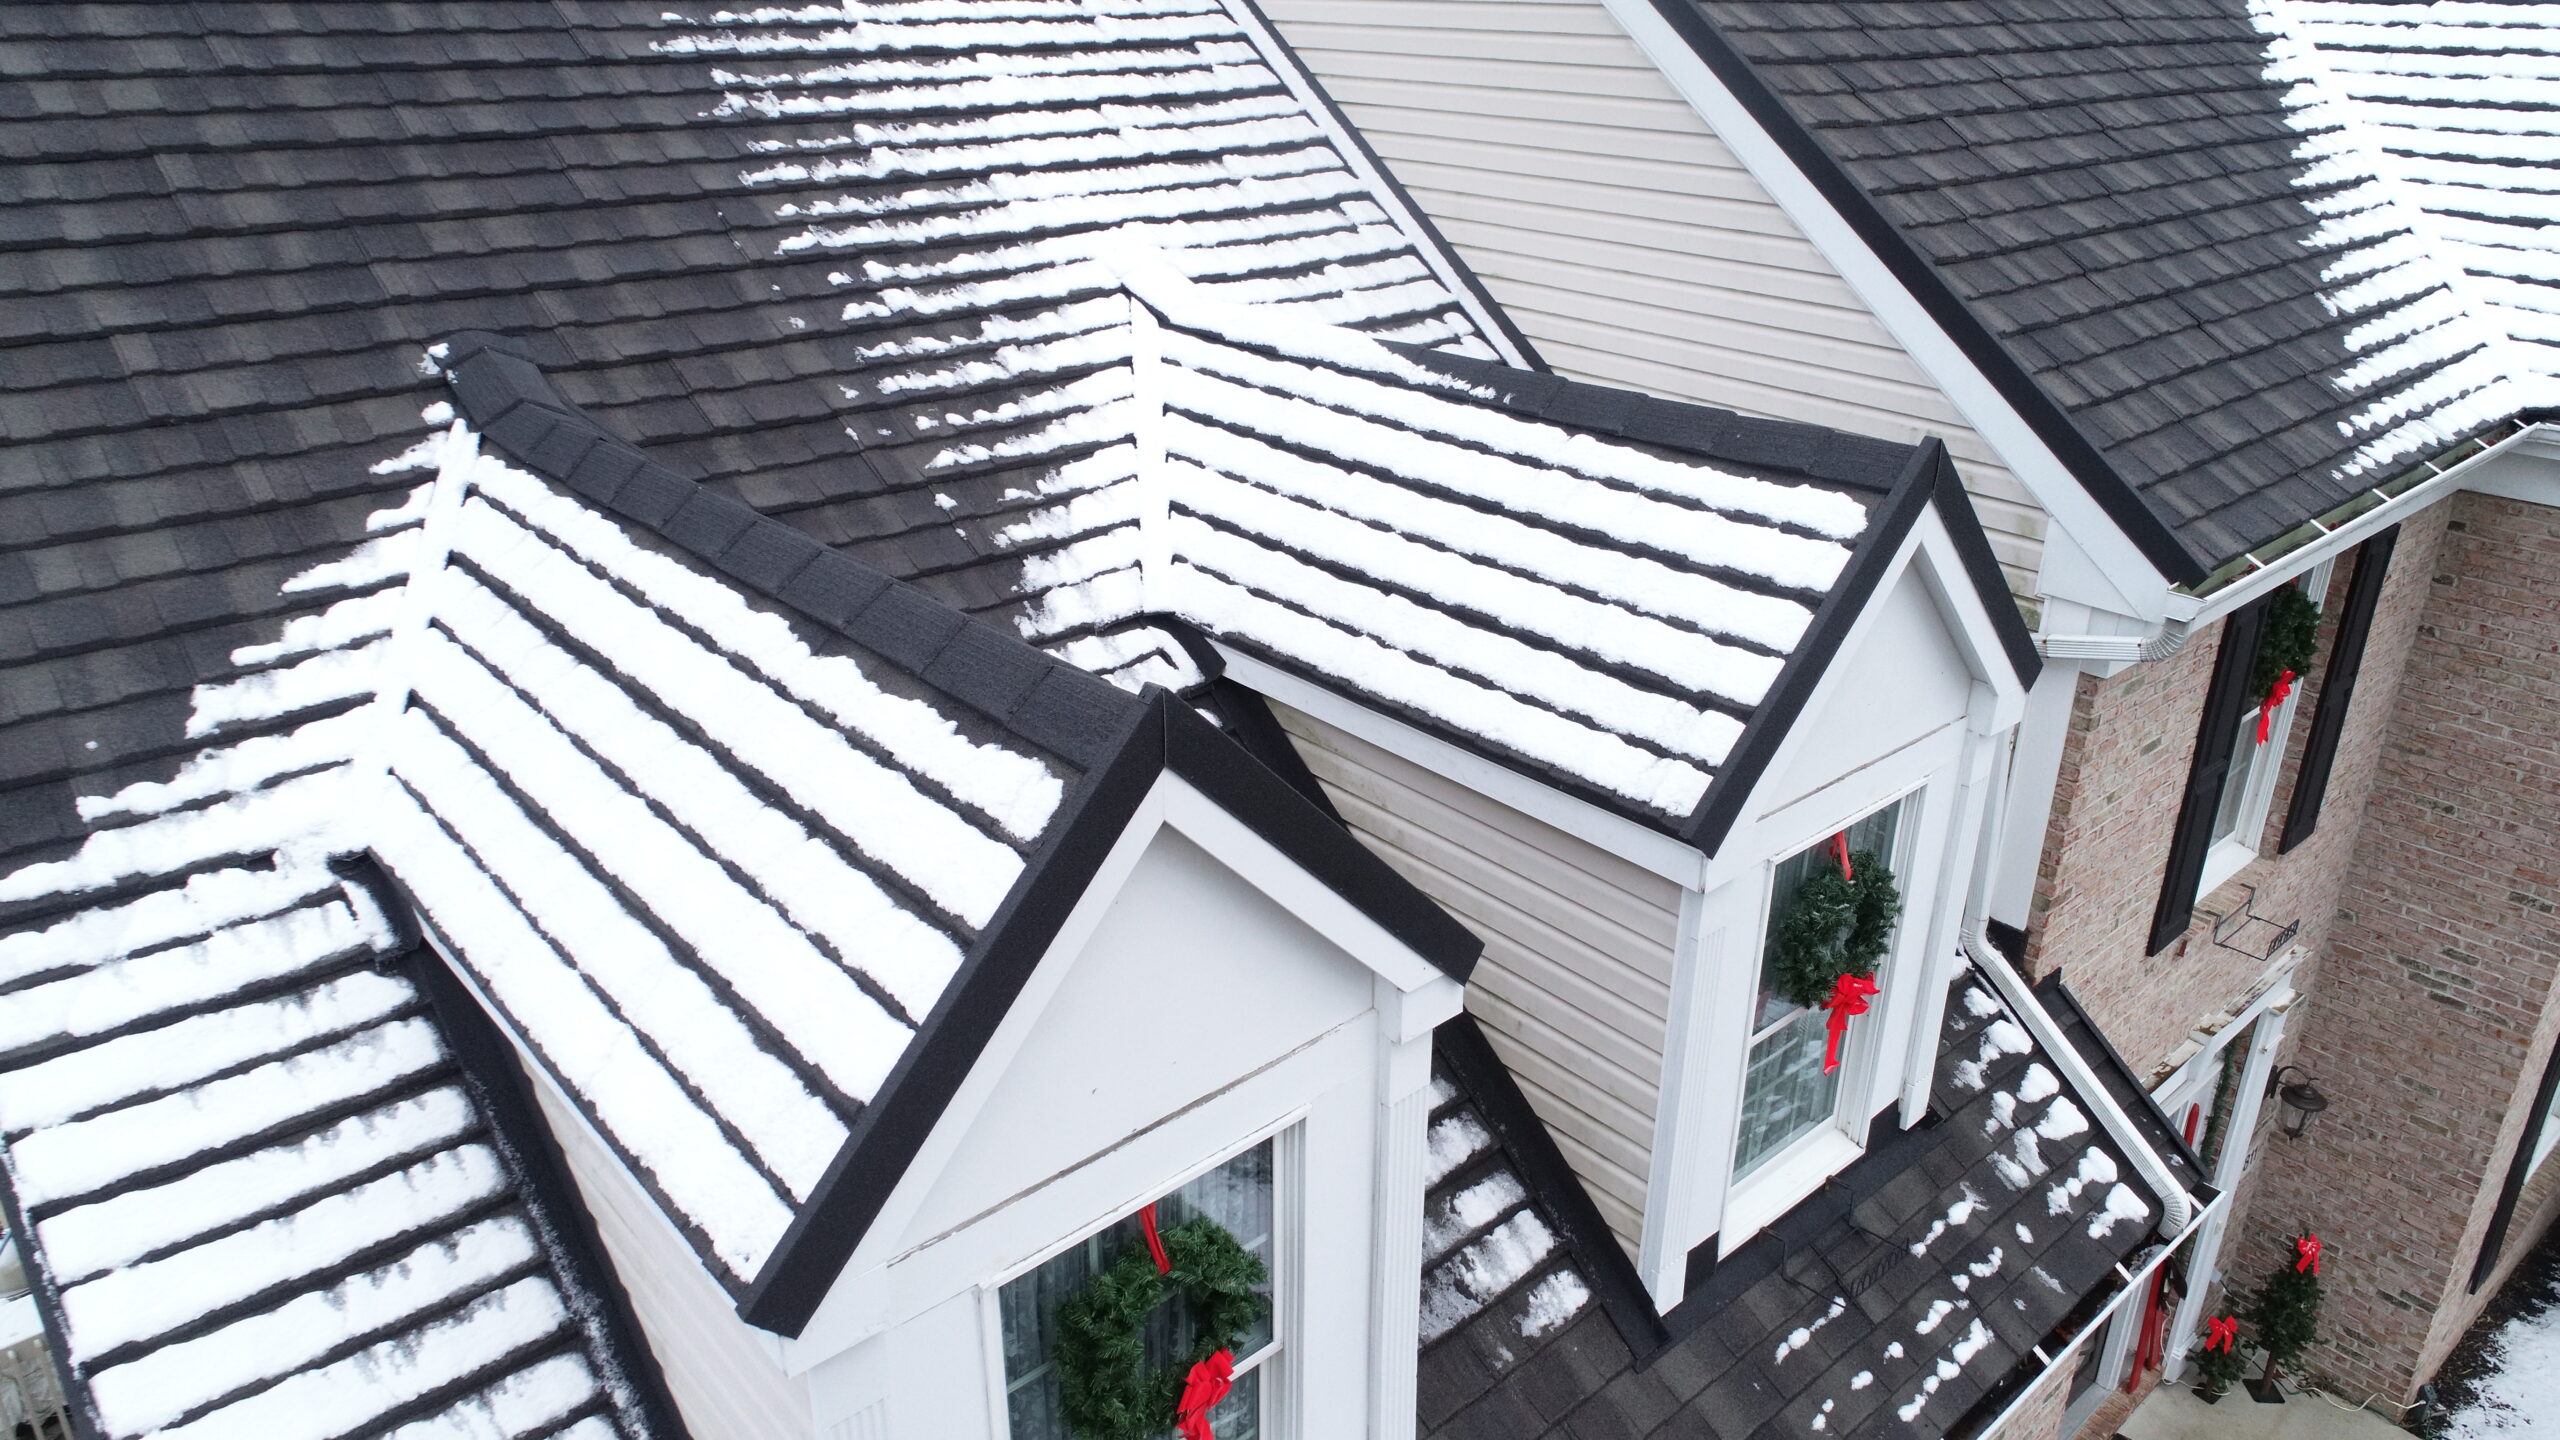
{"type": "Point", "coordinates": [2301, 1099]}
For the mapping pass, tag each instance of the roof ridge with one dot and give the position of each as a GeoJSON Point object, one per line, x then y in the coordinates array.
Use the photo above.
{"type": "Point", "coordinates": [1033, 695]}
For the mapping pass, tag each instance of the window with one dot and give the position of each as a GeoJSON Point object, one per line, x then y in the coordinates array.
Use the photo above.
{"type": "Point", "coordinates": [2532, 1148]}
{"type": "Point", "coordinates": [2240, 813]}
{"type": "Point", "coordinates": [1785, 1094]}
{"type": "Point", "coordinates": [1238, 1195]}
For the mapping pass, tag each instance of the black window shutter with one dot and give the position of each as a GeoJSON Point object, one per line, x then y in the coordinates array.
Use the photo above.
{"type": "Point", "coordinates": [2337, 688]}
{"type": "Point", "coordinates": [2214, 735]}
{"type": "Point", "coordinates": [2519, 1170]}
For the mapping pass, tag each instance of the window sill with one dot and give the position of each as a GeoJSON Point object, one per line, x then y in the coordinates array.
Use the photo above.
{"type": "Point", "coordinates": [1783, 1183]}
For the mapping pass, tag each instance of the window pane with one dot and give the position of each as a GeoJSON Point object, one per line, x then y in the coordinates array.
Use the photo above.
{"type": "Point", "coordinates": [1237, 1195]}
{"type": "Point", "coordinates": [1784, 1092]}
{"type": "Point", "coordinates": [2235, 781]}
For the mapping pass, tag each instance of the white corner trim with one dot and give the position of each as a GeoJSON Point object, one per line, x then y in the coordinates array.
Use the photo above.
{"type": "Point", "coordinates": [1673, 860]}
{"type": "Point", "coordinates": [1920, 335]}
{"type": "Point", "coordinates": [1283, 63]}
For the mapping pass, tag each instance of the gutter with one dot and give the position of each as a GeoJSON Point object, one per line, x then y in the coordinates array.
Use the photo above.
{"type": "Point", "coordinates": [2296, 552]}
{"type": "Point", "coordinates": [2087, 1334]}
{"type": "Point", "coordinates": [2177, 1207]}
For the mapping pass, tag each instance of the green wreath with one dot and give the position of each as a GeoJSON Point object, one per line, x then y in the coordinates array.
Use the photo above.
{"type": "Point", "coordinates": [2287, 639]}
{"type": "Point", "coordinates": [1833, 926]}
{"type": "Point", "coordinates": [1107, 1388]}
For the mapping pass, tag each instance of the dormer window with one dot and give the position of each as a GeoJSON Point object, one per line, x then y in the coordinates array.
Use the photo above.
{"type": "Point", "coordinates": [1239, 1195]}
{"type": "Point", "coordinates": [1787, 1092]}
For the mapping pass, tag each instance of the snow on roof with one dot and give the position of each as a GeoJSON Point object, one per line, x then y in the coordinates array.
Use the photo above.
{"type": "Point", "coordinates": [260, 1199]}
{"type": "Point", "coordinates": [1594, 608]}
{"type": "Point", "coordinates": [2435, 126]}
{"type": "Point", "coordinates": [1910, 1298]}
{"type": "Point", "coordinates": [709, 867]}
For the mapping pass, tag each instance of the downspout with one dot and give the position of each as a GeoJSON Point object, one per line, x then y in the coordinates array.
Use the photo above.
{"type": "Point", "coordinates": [2177, 1207]}
{"type": "Point", "coordinates": [1974, 940]}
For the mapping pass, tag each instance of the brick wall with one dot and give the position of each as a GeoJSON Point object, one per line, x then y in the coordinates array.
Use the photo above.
{"type": "Point", "coordinates": [2039, 1416]}
{"type": "Point", "coordinates": [2124, 769]}
{"type": "Point", "coordinates": [2429, 1019]}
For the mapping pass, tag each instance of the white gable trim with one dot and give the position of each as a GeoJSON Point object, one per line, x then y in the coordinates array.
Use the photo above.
{"type": "Point", "coordinates": [1413, 995]}
{"type": "Point", "coordinates": [2127, 576]}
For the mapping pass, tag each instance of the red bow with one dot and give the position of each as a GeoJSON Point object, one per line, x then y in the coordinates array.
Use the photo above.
{"type": "Point", "coordinates": [2222, 1333]}
{"type": "Point", "coordinates": [1840, 852]}
{"type": "Point", "coordinates": [2267, 707]}
{"type": "Point", "coordinates": [1848, 997]}
{"type": "Point", "coordinates": [1155, 1242]}
{"type": "Point", "coordinates": [2308, 1249]}
{"type": "Point", "coordinates": [1207, 1384]}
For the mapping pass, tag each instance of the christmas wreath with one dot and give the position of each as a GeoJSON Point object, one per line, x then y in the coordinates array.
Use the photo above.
{"type": "Point", "coordinates": [1837, 925]}
{"type": "Point", "coordinates": [1108, 1390]}
{"type": "Point", "coordinates": [2287, 640]}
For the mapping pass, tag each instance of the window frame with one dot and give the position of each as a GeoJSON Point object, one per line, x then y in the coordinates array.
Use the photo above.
{"type": "Point", "coordinates": [2226, 856]}
{"type": "Point", "coordinates": [1796, 1169]}
{"type": "Point", "coordinates": [1277, 1359]}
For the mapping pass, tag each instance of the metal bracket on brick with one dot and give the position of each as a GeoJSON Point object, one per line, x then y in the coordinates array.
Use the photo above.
{"type": "Point", "coordinates": [2243, 929]}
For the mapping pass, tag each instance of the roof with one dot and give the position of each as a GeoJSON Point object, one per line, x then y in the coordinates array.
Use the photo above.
{"type": "Point", "coordinates": [244, 222]}
{"type": "Point", "coordinates": [261, 1192]}
{"type": "Point", "coordinates": [2223, 311]}
{"type": "Point", "coordinates": [1906, 1298]}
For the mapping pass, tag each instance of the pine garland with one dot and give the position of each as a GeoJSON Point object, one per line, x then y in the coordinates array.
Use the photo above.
{"type": "Point", "coordinates": [1833, 926]}
{"type": "Point", "coordinates": [2288, 639]}
{"type": "Point", "coordinates": [1105, 1385]}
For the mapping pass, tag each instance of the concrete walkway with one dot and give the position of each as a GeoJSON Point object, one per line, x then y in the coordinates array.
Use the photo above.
{"type": "Point", "coordinates": [2172, 1412]}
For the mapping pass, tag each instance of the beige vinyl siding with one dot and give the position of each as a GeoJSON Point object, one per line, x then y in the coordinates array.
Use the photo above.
{"type": "Point", "coordinates": [725, 1379]}
{"type": "Point", "coordinates": [1575, 982]}
{"type": "Point", "coordinates": [1623, 238]}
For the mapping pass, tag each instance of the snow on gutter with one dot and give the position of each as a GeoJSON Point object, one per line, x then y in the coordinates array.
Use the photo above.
{"type": "Point", "coordinates": [2296, 552]}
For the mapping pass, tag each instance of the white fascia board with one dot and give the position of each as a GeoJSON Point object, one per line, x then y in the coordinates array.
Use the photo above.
{"type": "Point", "coordinates": [2526, 468]}
{"type": "Point", "coordinates": [1673, 860]}
{"type": "Point", "coordinates": [2523, 466]}
{"type": "Point", "coordinates": [1355, 153]}
{"type": "Point", "coordinates": [2111, 553]}
{"type": "Point", "coordinates": [858, 1304]}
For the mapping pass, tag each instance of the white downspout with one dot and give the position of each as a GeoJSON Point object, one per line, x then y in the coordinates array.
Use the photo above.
{"type": "Point", "coordinates": [2178, 1208]}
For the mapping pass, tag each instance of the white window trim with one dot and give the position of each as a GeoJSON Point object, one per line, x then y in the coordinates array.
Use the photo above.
{"type": "Point", "coordinates": [2230, 856]}
{"type": "Point", "coordinates": [1288, 1220]}
{"type": "Point", "coordinates": [2547, 1139]}
{"type": "Point", "coordinates": [1784, 1180]}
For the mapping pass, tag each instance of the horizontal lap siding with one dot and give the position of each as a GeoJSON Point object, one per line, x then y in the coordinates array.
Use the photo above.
{"type": "Point", "coordinates": [726, 1383]}
{"type": "Point", "coordinates": [1624, 239]}
{"type": "Point", "coordinates": [1576, 976]}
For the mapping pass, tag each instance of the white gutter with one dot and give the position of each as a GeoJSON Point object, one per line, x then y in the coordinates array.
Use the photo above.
{"type": "Point", "coordinates": [2133, 1285]}
{"type": "Point", "coordinates": [2190, 613]}
{"type": "Point", "coordinates": [2177, 1207]}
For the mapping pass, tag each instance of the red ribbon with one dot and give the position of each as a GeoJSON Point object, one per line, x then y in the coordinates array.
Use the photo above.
{"type": "Point", "coordinates": [1840, 849]}
{"type": "Point", "coordinates": [1206, 1385]}
{"type": "Point", "coordinates": [1849, 995]}
{"type": "Point", "coordinates": [1155, 1243]}
{"type": "Point", "coordinates": [2267, 707]}
{"type": "Point", "coordinates": [2308, 1249]}
{"type": "Point", "coordinates": [2221, 1333]}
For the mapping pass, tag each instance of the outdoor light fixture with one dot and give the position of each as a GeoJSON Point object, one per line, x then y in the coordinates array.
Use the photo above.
{"type": "Point", "coordinates": [2301, 1099]}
